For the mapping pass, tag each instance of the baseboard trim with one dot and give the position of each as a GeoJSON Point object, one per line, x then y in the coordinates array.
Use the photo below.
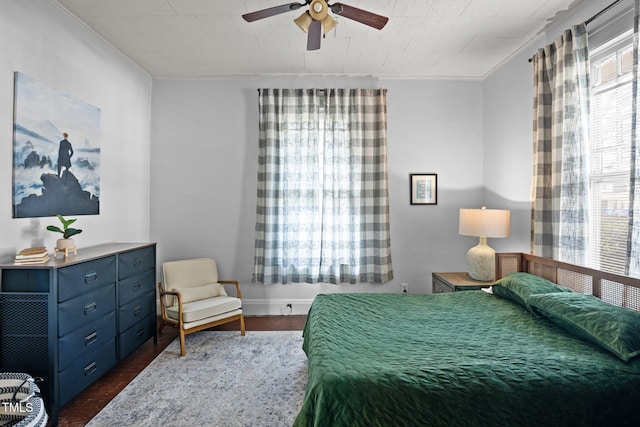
{"type": "Point", "coordinates": [269, 307]}
{"type": "Point", "coordinates": [275, 307]}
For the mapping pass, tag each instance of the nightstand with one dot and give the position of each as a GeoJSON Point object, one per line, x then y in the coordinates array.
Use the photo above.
{"type": "Point", "coordinates": [453, 282]}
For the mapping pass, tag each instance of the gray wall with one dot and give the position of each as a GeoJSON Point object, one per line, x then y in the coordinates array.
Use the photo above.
{"type": "Point", "coordinates": [204, 162]}
{"type": "Point", "coordinates": [507, 126]}
{"type": "Point", "coordinates": [179, 161]}
{"type": "Point", "coordinates": [41, 41]}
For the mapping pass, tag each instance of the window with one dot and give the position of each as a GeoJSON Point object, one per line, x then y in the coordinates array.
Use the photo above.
{"type": "Point", "coordinates": [610, 152]}
{"type": "Point", "coordinates": [323, 207]}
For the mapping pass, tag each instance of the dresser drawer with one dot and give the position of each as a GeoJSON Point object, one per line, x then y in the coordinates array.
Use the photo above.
{"type": "Point", "coordinates": [133, 287]}
{"type": "Point", "coordinates": [85, 339]}
{"type": "Point", "coordinates": [136, 335]}
{"type": "Point", "coordinates": [86, 308]}
{"type": "Point", "coordinates": [136, 310]}
{"type": "Point", "coordinates": [85, 370]}
{"type": "Point", "coordinates": [135, 262]}
{"type": "Point", "coordinates": [77, 279]}
{"type": "Point", "coordinates": [456, 281]}
{"type": "Point", "coordinates": [441, 287]}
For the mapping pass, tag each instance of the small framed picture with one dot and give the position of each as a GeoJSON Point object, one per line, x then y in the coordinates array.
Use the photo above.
{"type": "Point", "coordinates": [424, 188]}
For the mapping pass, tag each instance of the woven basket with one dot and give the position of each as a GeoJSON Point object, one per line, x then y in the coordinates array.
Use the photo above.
{"type": "Point", "coordinates": [20, 402]}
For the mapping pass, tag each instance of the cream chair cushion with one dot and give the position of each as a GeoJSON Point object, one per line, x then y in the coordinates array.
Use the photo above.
{"type": "Point", "coordinates": [196, 293]}
{"type": "Point", "coordinates": [190, 273]}
{"type": "Point", "coordinates": [206, 308]}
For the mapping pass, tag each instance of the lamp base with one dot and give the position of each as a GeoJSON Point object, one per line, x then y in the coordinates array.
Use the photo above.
{"type": "Point", "coordinates": [481, 261]}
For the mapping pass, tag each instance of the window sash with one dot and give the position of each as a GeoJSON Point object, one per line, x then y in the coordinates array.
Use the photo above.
{"type": "Point", "coordinates": [610, 153]}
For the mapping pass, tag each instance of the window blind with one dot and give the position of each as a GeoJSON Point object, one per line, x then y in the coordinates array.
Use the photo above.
{"type": "Point", "coordinates": [610, 142]}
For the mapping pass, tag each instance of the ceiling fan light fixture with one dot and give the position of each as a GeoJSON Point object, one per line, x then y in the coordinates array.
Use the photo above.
{"type": "Point", "coordinates": [316, 19]}
{"type": "Point", "coordinates": [328, 24]}
{"type": "Point", "coordinates": [304, 21]}
{"type": "Point", "coordinates": [318, 9]}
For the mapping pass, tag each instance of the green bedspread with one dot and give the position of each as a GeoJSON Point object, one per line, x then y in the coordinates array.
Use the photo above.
{"type": "Point", "coordinates": [457, 359]}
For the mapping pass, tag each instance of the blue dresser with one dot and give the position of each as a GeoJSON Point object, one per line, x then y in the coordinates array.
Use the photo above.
{"type": "Point", "coordinates": [70, 320]}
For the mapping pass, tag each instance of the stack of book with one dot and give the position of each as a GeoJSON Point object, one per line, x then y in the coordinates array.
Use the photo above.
{"type": "Point", "coordinates": [32, 256]}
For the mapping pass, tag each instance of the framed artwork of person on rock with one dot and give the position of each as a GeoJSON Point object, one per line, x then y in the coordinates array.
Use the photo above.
{"type": "Point", "coordinates": [56, 152]}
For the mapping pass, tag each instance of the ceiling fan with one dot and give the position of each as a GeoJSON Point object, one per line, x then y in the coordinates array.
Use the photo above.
{"type": "Point", "coordinates": [317, 20]}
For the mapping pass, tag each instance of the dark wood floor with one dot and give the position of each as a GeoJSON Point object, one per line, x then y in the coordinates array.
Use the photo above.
{"type": "Point", "coordinates": [88, 403]}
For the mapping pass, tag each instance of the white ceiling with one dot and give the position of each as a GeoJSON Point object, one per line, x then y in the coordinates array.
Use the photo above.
{"type": "Point", "coordinates": [423, 38]}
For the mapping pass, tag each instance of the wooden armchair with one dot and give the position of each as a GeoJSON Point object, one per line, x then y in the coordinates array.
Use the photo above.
{"type": "Point", "coordinates": [192, 298]}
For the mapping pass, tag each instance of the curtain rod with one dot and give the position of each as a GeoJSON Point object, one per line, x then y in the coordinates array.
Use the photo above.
{"type": "Point", "coordinates": [597, 15]}
{"type": "Point", "coordinates": [603, 11]}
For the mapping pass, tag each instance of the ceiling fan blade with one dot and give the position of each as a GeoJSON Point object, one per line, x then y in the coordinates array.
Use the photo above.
{"type": "Point", "coordinates": [276, 10]}
{"type": "Point", "coordinates": [314, 36]}
{"type": "Point", "coordinates": [362, 16]}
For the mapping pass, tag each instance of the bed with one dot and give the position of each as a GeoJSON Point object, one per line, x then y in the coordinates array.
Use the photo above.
{"type": "Point", "coordinates": [477, 359]}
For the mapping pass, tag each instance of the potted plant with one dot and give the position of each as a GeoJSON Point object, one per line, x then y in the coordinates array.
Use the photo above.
{"type": "Point", "coordinates": [66, 243]}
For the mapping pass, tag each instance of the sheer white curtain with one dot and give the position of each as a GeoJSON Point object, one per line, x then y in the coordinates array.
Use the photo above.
{"type": "Point", "coordinates": [323, 204]}
{"type": "Point", "coordinates": [559, 212]}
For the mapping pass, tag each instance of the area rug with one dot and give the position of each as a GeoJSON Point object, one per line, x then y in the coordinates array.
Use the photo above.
{"type": "Point", "coordinates": [225, 379]}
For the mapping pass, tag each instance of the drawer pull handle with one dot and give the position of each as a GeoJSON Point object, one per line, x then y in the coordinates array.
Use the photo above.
{"type": "Point", "coordinates": [137, 262]}
{"type": "Point", "coordinates": [91, 338]}
{"type": "Point", "coordinates": [90, 277]}
{"type": "Point", "coordinates": [137, 310]}
{"type": "Point", "coordinates": [90, 308]}
{"type": "Point", "coordinates": [136, 286]}
{"type": "Point", "coordinates": [90, 369]}
{"type": "Point", "coordinates": [140, 333]}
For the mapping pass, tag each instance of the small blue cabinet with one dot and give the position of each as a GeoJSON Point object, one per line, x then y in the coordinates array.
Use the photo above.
{"type": "Point", "coordinates": [71, 320]}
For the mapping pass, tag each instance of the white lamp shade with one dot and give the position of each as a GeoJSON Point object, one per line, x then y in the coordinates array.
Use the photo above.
{"type": "Point", "coordinates": [485, 222]}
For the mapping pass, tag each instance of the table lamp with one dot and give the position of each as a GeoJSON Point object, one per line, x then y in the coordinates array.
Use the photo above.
{"type": "Point", "coordinates": [483, 223]}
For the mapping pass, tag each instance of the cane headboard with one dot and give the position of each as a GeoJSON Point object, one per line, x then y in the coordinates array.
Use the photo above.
{"type": "Point", "coordinates": [611, 288]}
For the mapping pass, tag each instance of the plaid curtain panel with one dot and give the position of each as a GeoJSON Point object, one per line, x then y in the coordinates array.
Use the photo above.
{"type": "Point", "coordinates": [323, 203]}
{"type": "Point", "coordinates": [632, 265]}
{"type": "Point", "coordinates": [560, 183]}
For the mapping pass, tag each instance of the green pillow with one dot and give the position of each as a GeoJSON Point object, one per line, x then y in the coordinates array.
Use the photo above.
{"type": "Point", "coordinates": [519, 287]}
{"type": "Point", "coordinates": [616, 329]}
